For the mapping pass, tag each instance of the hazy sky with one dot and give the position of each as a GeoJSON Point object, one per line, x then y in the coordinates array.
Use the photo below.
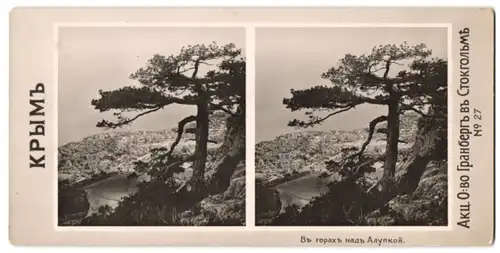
{"type": "Point", "coordinates": [289, 58]}
{"type": "Point", "coordinates": [103, 58]}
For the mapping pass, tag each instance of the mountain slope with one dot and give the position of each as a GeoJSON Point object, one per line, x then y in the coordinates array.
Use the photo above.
{"type": "Point", "coordinates": [305, 152]}
{"type": "Point", "coordinates": [119, 198]}
{"type": "Point", "coordinates": [319, 196]}
{"type": "Point", "coordinates": [116, 151]}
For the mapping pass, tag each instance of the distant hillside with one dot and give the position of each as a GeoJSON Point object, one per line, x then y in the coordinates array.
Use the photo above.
{"type": "Point", "coordinates": [300, 152]}
{"type": "Point", "coordinates": [95, 198]}
{"type": "Point", "coordinates": [115, 151]}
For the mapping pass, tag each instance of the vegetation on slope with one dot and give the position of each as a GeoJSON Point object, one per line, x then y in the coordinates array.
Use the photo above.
{"type": "Point", "coordinates": [159, 203]}
{"type": "Point", "coordinates": [349, 202]}
{"type": "Point", "coordinates": [116, 151]}
{"type": "Point", "coordinates": [292, 155]}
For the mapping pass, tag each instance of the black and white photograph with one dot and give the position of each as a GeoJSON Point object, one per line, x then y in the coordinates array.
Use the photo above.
{"type": "Point", "coordinates": [151, 126]}
{"type": "Point", "coordinates": [348, 127]}
{"type": "Point", "coordinates": [351, 126]}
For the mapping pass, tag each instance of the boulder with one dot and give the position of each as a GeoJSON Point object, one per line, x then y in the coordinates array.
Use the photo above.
{"type": "Point", "coordinates": [225, 209]}
{"type": "Point", "coordinates": [427, 205]}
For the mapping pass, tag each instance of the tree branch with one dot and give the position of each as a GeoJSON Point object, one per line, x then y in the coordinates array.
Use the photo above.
{"type": "Point", "coordinates": [206, 63]}
{"type": "Point", "coordinates": [218, 107]}
{"type": "Point", "coordinates": [210, 141]}
{"type": "Point", "coordinates": [358, 171]}
{"type": "Point", "coordinates": [189, 158]}
{"type": "Point", "coordinates": [412, 108]}
{"type": "Point", "coordinates": [373, 124]}
{"type": "Point", "coordinates": [387, 68]}
{"type": "Point", "coordinates": [180, 131]}
{"type": "Point", "coordinates": [397, 63]}
{"type": "Point", "coordinates": [388, 83]}
{"type": "Point", "coordinates": [318, 120]}
{"type": "Point", "coordinates": [184, 70]}
{"type": "Point", "coordinates": [377, 101]}
{"type": "Point", "coordinates": [373, 187]}
{"type": "Point", "coordinates": [136, 98]}
{"type": "Point", "coordinates": [126, 121]}
{"type": "Point", "coordinates": [195, 72]}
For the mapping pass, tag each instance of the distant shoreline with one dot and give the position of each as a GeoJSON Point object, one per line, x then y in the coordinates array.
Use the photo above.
{"type": "Point", "coordinates": [89, 181]}
{"type": "Point", "coordinates": [291, 177]}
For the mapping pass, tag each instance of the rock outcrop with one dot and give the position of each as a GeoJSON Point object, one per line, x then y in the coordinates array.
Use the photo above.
{"type": "Point", "coordinates": [225, 180]}
{"type": "Point", "coordinates": [422, 181]}
{"type": "Point", "coordinates": [225, 209]}
{"type": "Point", "coordinates": [427, 205]}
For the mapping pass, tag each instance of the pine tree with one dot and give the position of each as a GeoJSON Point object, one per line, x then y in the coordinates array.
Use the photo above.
{"type": "Point", "coordinates": [208, 77]}
{"type": "Point", "coordinates": [367, 79]}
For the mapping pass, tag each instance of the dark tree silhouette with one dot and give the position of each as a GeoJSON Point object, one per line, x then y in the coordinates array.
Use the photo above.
{"type": "Point", "coordinates": [211, 78]}
{"type": "Point", "coordinates": [402, 78]}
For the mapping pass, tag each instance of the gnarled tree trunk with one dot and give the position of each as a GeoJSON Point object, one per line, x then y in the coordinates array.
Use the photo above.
{"type": "Point", "coordinates": [232, 152]}
{"type": "Point", "coordinates": [197, 182]}
{"type": "Point", "coordinates": [391, 153]}
{"type": "Point", "coordinates": [430, 144]}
